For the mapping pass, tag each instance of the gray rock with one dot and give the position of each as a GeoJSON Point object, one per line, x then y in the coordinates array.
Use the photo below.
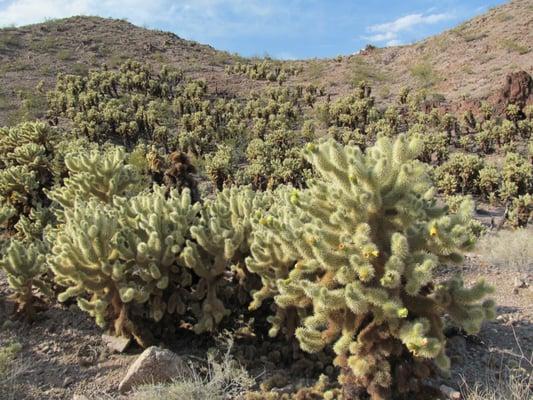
{"type": "Point", "coordinates": [80, 397]}
{"type": "Point", "coordinates": [116, 344]}
{"type": "Point", "coordinates": [154, 365]}
{"type": "Point", "coordinates": [67, 382]}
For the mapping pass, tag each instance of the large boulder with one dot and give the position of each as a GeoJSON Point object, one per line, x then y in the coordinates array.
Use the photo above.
{"type": "Point", "coordinates": [517, 89]}
{"type": "Point", "coordinates": [154, 365]}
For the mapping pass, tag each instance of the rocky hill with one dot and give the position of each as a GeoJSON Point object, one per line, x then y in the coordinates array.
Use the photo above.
{"type": "Point", "coordinates": [466, 63]}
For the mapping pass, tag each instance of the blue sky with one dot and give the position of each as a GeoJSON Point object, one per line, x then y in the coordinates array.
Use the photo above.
{"type": "Point", "coordinates": [287, 29]}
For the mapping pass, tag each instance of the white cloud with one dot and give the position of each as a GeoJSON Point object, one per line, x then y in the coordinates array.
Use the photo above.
{"type": "Point", "coordinates": [201, 19]}
{"type": "Point", "coordinates": [382, 37]}
{"type": "Point", "coordinates": [22, 12]}
{"type": "Point", "coordinates": [389, 32]}
{"type": "Point", "coordinates": [393, 42]}
{"type": "Point", "coordinates": [285, 55]}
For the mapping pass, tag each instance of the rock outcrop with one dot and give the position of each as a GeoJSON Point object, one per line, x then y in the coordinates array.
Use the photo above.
{"type": "Point", "coordinates": [154, 365]}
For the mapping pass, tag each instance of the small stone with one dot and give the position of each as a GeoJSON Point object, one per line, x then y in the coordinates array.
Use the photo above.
{"type": "Point", "coordinates": [67, 381]}
{"type": "Point", "coordinates": [116, 344]}
{"type": "Point", "coordinates": [450, 393]}
{"type": "Point", "coordinates": [154, 365]}
{"type": "Point", "coordinates": [80, 397]}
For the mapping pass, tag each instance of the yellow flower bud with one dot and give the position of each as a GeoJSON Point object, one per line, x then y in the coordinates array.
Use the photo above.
{"type": "Point", "coordinates": [403, 312]}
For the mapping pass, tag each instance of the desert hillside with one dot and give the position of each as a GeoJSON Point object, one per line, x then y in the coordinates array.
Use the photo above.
{"type": "Point", "coordinates": [468, 62]}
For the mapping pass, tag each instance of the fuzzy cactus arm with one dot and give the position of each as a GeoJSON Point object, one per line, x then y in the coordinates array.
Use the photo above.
{"type": "Point", "coordinates": [6, 212]}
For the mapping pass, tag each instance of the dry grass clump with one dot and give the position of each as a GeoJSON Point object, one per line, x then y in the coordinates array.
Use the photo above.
{"type": "Point", "coordinates": [514, 388]}
{"type": "Point", "coordinates": [218, 378]}
{"type": "Point", "coordinates": [512, 381]}
{"type": "Point", "coordinates": [510, 249]}
{"type": "Point", "coordinates": [10, 368]}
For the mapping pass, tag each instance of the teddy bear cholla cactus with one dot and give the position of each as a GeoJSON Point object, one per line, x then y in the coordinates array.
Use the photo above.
{"type": "Point", "coordinates": [99, 174]}
{"type": "Point", "coordinates": [25, 267]}
{"type": "Point", "coordinates": [123, 254]}
{"type": "Point", "coordinates": [220, 242]}
{"type": "Point", "coordinates": [352, 258]}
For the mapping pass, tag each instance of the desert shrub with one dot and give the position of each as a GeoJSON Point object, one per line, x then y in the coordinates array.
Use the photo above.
{"type": "Point", "coordinates": [353, 111]}
{"type": "Point", "coordinates": [424, 73]}
{"type": "Point", "coordinates": [489, 181]}
{"type": "Point", "coordinates": [459, 174]}
{"type": "Point", "coordinates": [26, 270]}
{"type": "Point", "coordinates": [10, 368]}
{"type": "Point", "coordinates": [124, 254]}
{"type": "Point", "coordinates": [514, 46]}
{"type": "Point", "coordinates": [264, 71]}
{"type": "Point", "coordinates": [508, 248]}
{"type": "Point", "coordinates": [515, 387]}
{"type": "Point", "coordinates": [27, 168]}
{"type": "Point", "coordinates": [517, 177]}
{"type": "Point", "coordinates": [350, 262]}
{"type": "Point", "coordinates": [361, 71]}
{"type": "Point", "coordinates": [219, 165]}
{"type": "Point", "coordinates": [220, 241]}
{"type": "Point", "coordinates": [521, 211]}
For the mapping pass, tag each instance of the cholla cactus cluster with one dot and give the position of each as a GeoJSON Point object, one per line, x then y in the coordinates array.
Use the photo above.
{"type": "Point", "coordinates": [124, 253]}
{"type": "Point", "coordinates": [219, 243]}
{"type": "Point", "coordinates": [25, 267]}
{"type": "Point", "coordinates": [265, 71]}
{"type": "Point", "coordinates": [352, 259]}
{"type": "Point", "coordinates": [99, 175]}
{"type": "Point", "coordinates": [137, 211]}
{"type": "Point", "coordinates": [26, 168]}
